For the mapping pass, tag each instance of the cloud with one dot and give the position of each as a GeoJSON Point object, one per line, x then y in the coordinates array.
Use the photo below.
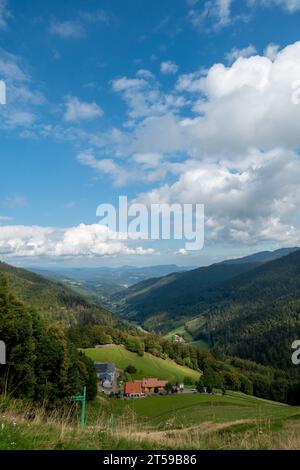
{"type": "Point", "coordinates": [145, 97]}
{"type": "Point", "coordinates": [191, 82]}
{"type": "Point", "coordinates": [125, 84]}
{"type": "Point", "coordinates": [105, 166]}
{"type": "Point", "coordinates": [291, 6]}
{"type": "Point", "coordinates": [142, 167]}
{"type": "Point", "coordinates": [148, 159]}
{"type": "Point", "coordinates": [250, 103]}
{"type": "Point", "coordinates": [97, 16]}
{"type": "Point", "coordinates": [222, 11]}
{"type": "Point", "coordinates": [20, 118]}
{"type": "Point", "coordinates": [77, 110]}
{"type": "Point", "coordinates": [11, 67]}
{"type": "Point", "coordinates": [168, 68]}
{"type": "Point", "coordinates": [235, 53]}
{"type": "Point", "coordinates": [247, 104]}
{"type": "Point", "coordinates": [5, 14]}
{"type": "Point", "coordinates": [233, 146]}
{"type": "Point", "coordinates": [182, 252]}
{"type": "Point", "coordinates": [76, 28]}
{"type": "Point", "coordinates": [22, 95]}
{"type": "Point", "coordinates": [217, 14]}
{"type": "Point", "coordinates": [67, 29]}
{"type": "Point", "coordinates": [144, 73]}
{"type": "Point", "coordinates": [271, 51]}
{"type": "Point", "coordinates": [82, 240]}
{"type": "Point", "coordinates": [12, 201]}
{"type": "Point", "coordinates": [217, 113]}
{"type": "Point", "coordinates": [257, 203]}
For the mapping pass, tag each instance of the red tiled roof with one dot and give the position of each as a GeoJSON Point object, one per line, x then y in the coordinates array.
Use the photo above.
{"type": "Point", "coordinates": [153, 383]}
{"type": "Point", "coordinates": [133, 387]}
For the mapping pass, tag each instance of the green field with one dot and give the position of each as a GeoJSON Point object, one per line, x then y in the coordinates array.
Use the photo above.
{"type": "Point", "coordinates": [234, 421]}
{"type": "Point", "coordinates": [147, 366]}
{"type": "Point", "coordinates": [190, 409]}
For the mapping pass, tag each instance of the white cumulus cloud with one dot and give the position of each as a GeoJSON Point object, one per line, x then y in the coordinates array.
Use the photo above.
{"type": "Point", "coordinates": [257, 203]}
{"type": "Point", "coordinates": [77, 110]}
{"type": "Point", "coordinates": [231, 142]}
{"type": "Point", "coordinates": [82, 240]}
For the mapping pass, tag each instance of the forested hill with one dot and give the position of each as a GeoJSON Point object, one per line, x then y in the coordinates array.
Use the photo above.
{"type": "Point", "coordinates": [254, 314]}
{"type": "Point", "coordinates": [177, 293]}
{"type": "Point", "coordinates": [51, 299]}
{"type": "Point", "coordinates": [187, 293]}
{"type": "Point", "coordinates": [257, 315]}
{"type": "Point", "coordinates": [277, 279]}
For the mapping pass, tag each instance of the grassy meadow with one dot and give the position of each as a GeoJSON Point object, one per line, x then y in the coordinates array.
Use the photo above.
{"type": "Point", "coordinates": [147, 365]}
{"type": "Point", "coordinates": [235, 421]}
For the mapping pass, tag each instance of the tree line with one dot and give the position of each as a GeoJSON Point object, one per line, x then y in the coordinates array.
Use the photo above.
{"type": "Point", "coordinates": [42, 363]}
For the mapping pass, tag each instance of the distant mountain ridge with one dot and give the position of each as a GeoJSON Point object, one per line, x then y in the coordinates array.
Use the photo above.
{"type": "Point", "coordinates": [122, 275]}
{"type": "Point", "coordinates": [262, 256]}
{"type": "Point", "coordinates": [100, 283]}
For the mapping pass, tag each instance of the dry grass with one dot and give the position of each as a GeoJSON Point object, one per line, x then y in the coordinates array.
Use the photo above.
{"type": "Point", "coordinates": [128, 428]}
{"type": "Point", "coordinates": [257, 434]}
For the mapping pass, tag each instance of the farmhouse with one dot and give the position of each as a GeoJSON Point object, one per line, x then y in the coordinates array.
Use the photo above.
{"type": "Point", "coordinates": [139, 388]}
{"type": "Point", "coordinates": [106, 373]}
{"type": "Point", "coordinates": [178, 338]}
{"type": "Point", "coordinates": [133, 389]}
{"type": "Point", "coordinates": [151, 385]}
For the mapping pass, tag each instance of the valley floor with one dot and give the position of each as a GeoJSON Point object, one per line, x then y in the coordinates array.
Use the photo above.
{"type": "Point", "coordinates": [235, 421]}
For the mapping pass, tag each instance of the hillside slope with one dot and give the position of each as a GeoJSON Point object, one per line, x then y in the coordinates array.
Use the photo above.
{"type": "Point", "coordinates": [147, 365]}
{"type": "Point", "coordinates": [52, 299]}
{"type": "Point", "coordinates": [257, 315]}
{"type": "Point", "coordinates": [185, 294]}
{"type": "Point", "coordinates": [254, 314]}
{"type": "Point", "coordinates": [177, 293]}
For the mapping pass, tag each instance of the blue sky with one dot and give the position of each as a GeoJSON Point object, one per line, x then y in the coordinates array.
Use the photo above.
{"type": "Point", "coordinates": [174, 101]}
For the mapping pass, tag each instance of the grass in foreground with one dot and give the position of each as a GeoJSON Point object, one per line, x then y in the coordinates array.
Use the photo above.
{"type": "Point", "coordinates": [173, 422]}
{"type": "Point", "coordinates": [147, 366]}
